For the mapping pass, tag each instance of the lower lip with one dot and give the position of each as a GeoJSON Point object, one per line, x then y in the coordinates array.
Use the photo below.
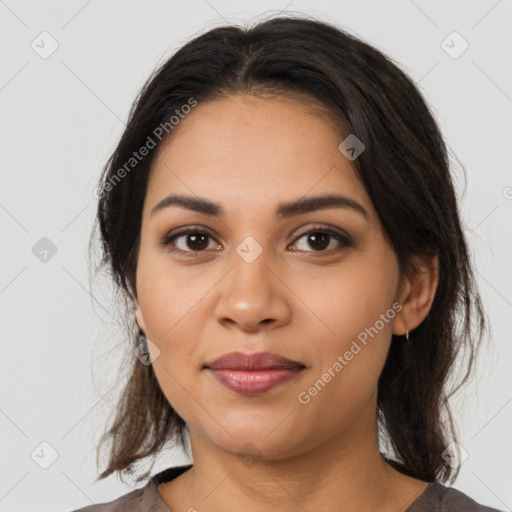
{"type": "Point", "coordinates": [254, 382]}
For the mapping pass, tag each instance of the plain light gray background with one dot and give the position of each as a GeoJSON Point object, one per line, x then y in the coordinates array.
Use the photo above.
{"type": "Point", "coordinates": [61, 117]}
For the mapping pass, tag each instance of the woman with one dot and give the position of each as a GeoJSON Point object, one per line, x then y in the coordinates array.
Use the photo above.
{"type": "Point", "coordinates": [280, 217]}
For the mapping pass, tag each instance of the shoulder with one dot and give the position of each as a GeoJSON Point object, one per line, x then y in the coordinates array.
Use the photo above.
{"type": "Point", "coordinates": [440, 498]}
{"type": "Point", "coordinates": [139, 500]}
{"type": "Point", "coordinates": [144, 499]}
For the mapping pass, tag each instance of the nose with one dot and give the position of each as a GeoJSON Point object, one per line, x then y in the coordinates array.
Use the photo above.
{"type": "Point", "coordinates": [252, 296]}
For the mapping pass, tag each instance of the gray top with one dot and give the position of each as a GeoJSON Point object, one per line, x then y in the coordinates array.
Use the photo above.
{"type": "Point", "coordinates": [435, 498]}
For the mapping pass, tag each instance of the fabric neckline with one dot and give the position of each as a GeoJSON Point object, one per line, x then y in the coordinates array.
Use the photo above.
{"type": "Point", "coordinates": [173, 472]}
{"type": "Point", "coordinates": [424, 497]}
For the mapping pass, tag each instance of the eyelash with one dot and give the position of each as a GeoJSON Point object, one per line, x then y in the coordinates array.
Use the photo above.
{"type": "Point", "coordinates": [169, 239]}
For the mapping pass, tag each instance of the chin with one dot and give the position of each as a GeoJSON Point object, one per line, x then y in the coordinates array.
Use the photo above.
{"type": "Point", "coordinates": [258, 443]}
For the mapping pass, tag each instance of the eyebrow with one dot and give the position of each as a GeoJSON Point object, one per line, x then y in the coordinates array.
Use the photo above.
{"type": "Point", "coordinates": [284, 210]}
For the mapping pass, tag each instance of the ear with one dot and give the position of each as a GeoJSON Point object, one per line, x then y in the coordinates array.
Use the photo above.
{"type": "Point", "coordinates": [139, 319]}
{"type": "Point", "coordinates": [417, 294]}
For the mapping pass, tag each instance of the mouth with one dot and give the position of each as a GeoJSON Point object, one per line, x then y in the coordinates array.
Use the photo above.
{"type": "Point", "coordinates": [253, 374]}
{"type": "Point", "coordinates": [255, 361]}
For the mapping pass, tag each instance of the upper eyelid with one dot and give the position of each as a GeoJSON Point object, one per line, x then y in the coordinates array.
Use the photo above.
{"type": "Point", "coordinates": [203, 229]}
{"type": "Point", "coordinates": [200, 228]}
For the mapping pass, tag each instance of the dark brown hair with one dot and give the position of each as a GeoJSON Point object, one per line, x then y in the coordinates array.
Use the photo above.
{"type": "Point", "coordinates": [405, 169]}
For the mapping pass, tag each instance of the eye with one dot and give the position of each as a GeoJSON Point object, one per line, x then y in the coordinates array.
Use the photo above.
{"type": "Point", "coordinates": [197, 240]}
{"type": "Point", "coordinates": [321, 237]}
{"type": "Point", "coordinates": [194, 240]}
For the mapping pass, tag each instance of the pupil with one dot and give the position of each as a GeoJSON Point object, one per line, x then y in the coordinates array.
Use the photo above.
{"type": "Point", "coordinates": [319, 237]}
{"type": "Point", "coordinates": [195, 238]}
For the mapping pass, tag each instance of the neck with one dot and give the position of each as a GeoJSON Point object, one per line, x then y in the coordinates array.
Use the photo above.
{"type": "Point", "coordinates": [345, 474]}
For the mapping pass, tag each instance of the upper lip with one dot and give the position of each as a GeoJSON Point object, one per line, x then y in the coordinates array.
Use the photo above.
{"type": "Point", "coordinates": [255, 361]}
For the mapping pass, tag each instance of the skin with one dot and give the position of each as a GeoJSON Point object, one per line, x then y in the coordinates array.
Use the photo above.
{"type": "Point", "coordinates": [250, 154]}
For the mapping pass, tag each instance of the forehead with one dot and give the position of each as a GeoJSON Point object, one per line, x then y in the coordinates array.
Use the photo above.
{"type": "Point", "coordinates": [263, 150]}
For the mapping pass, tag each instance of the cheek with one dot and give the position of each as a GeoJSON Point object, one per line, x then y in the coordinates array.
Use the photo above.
{"type": "Point", "coordinates": [166, 294]}
{"type": "Point", "coordinates": [168, 307]}
{"type": "Point", "coordinates": [355, 308]}
{"type": "Point", "coordinates": [343, 380]}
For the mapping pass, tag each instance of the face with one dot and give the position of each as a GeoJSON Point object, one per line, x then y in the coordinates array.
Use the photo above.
{"type": "Point", "coordinates": [318, 287]}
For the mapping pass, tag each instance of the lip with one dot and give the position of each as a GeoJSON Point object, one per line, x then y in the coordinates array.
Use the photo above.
{"type": "Point", "coordinates": [253, 374]}
{"type": "Point", "coordinates": [254, 382]}
{"type": "Point", "coordinates": [254, 361]}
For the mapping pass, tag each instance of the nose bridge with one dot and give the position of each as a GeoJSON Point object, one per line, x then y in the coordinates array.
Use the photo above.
{"type": "Point", "coordinates": [249, 282]}
{"type": "Point", "coordinates": [251, 268]}
{"type": "Point", "coordinates": [252, 292]}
